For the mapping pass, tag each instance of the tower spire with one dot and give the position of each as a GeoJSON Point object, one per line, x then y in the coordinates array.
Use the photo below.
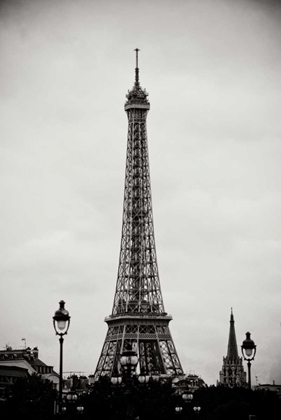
{"type": "Point", "coordinates": [137, 68]}
{"type": "Point", "coordinates": [232, 351]}
{"type": "Point", "coordinates": [137, 63]}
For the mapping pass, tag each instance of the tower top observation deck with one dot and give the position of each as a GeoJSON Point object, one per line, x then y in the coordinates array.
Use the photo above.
{"type": "Point", "coordinates": [137, 96]}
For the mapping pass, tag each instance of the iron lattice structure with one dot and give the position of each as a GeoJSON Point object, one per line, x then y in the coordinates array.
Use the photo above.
{"type": "Point", "coordinates": [138, 315]}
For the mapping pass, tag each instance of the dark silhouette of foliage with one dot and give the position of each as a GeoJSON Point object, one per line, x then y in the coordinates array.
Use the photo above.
{"type": "Point", "coordinates": [236, 403]}
{"type": "Point", "coordinates": [157, 401]}
{"type": "Point", "coordinates": [31, 398]}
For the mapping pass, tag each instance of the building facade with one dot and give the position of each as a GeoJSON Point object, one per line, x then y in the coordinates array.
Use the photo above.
{"type": "Point", "coordinates": [270, 387]}
{"type": "Point", "coordinates": [8, 376]}
{"type": "Point", "coordinates": [25, 361]}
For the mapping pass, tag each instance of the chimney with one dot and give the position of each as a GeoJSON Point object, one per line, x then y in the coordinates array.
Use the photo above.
{"type": "Point", "coordinates": [35, 352]}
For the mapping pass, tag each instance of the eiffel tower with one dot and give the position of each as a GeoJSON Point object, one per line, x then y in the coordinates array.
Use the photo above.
{"type": "Point", "coordinates": [138, 316]}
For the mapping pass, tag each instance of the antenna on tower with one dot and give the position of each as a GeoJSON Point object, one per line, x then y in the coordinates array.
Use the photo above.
{"type": "Point", "coordinates": [137, 67]}
{"type": "Point", "coordinates": [137, 57]}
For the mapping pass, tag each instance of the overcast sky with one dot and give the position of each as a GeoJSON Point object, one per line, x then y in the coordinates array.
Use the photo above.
{"type": "Point", "coordinates": [213, 72]}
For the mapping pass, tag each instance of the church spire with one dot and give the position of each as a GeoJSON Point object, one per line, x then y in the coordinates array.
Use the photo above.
{"type": "Point", "coordinates": [232, 351]}
{"type": "Point", "coordinates": [232, 372]}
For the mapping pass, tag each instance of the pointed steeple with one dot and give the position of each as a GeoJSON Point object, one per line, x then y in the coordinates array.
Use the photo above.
{"type": "Point", "coordinates": [232, 372]}
{"type": "Point", "coordinates": [232, 351]}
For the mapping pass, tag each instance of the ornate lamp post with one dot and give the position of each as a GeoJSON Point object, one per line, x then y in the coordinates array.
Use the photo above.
{"type": "Point", "coordinates": [143, 379]}
{"type": "Point", "coordinates": [80, 409]}
{"type": "Point", "coordinates": [71, 400]}
{"type": "Point", "coordinates": [128, 361]}
{"type": "Point", "coordinates": [71, 397]}
{"type": "Point", "coordinates": [116, 380]}
{"type": "Point", "coordinates": [187, 397]}
{"type": "Point", "coordinates": [178, 409]}
{"type": "Point", "coordinates": [249, 351]}
{"type": "Point", "coordinates": [61, 321]}
{"type": "Point", "coordinates": [197, 409]}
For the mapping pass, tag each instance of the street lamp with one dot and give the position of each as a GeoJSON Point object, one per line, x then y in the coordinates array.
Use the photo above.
{"type": "Point", "coordinates": [178, 409]}
{"type": "Point", "coordinates": [116, 380]}
{"type": "Point", "coordinates": [143, 379]}
{"type": "Point", "coordinates": [129, 361]}
{"type": "Point", "coordinates": [71, 397]}
{"type": "Point", "coordinates": [197, 409]}
{"type": "Point", "coordinates": [71, 400]}
{"type": "Point", "coordinates": [61, 321]}
{"type": "Point", "coordinates": [80, 409]}
{"type": "Point", "coordinates": [249, 351]}
{"type": "Point", "coordinates": [187, 397]}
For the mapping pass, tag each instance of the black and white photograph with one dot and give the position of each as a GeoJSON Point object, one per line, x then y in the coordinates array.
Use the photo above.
{"type": "Point", "coordinates": [140, 242]}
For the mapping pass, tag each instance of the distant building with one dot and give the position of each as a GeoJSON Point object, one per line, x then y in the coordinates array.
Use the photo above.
{"type": "Point", "coordinates": [270, 387]}
{"type": "Point", "coordinates": [8, 376]}
{"type": "Point", "coordinates": [194, 382]}
{"type": "Point", "coordinates": [14, 361]}
{"type": "Point", "coordinates": [76, 382]}
{"type": "Point", "coordinates": [232, 373]}
{"type": "Point", "coordinates": [190, 382]}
